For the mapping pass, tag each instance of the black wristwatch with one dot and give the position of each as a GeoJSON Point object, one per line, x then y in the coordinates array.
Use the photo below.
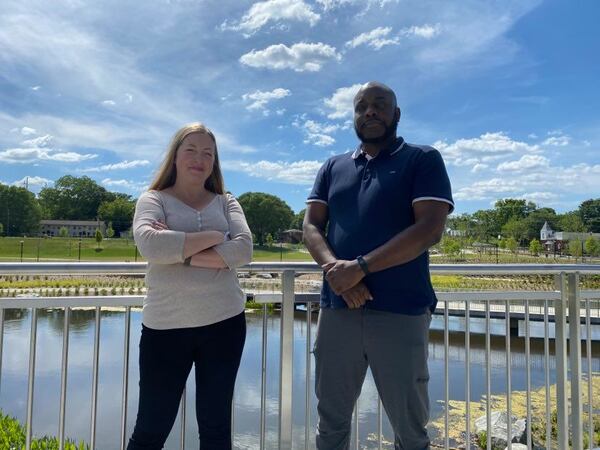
{"type": "Point", "coordinates": [363, 264]}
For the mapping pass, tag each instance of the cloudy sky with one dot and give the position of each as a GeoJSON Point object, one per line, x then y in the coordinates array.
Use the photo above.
{"type": "Point", "coordinates": [508, 91]}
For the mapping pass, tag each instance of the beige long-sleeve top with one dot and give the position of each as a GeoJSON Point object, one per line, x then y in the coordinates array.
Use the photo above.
{"type": "Point", "coordinates": [181, 296]}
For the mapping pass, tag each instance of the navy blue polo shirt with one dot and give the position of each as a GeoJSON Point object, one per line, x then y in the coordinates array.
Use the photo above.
{"type": "Point", "coordinates": [370, 200]}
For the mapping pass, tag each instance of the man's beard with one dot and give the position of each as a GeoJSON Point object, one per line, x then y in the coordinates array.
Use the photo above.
{"type": "Point", "coordinates": [390, 130]}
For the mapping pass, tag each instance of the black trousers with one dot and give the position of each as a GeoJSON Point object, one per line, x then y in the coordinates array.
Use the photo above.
{"type": "Point", "coordinates": [166, 358]}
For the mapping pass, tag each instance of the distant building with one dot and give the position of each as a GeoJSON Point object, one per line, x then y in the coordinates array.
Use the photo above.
{"type": "Point", "coordinates": [75, 228]}
{"type": "Point", "coordinates": [455, 233]}
{"type": "Point", "coordinates": [558, 240]}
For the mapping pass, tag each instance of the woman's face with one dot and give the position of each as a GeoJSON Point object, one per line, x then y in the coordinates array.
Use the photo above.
{"type": "Point", "coordinates": [195, 158]}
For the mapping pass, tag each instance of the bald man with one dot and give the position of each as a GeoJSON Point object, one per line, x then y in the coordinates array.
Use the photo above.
{"type": "Point", "coordinates": [370, 219]}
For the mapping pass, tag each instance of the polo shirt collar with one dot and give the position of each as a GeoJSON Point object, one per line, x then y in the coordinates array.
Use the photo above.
{"type": "Point", "coordinates": [391, 150]}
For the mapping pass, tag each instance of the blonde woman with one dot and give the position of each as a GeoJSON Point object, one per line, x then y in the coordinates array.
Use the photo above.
{"type": "Point", "coordinates": [193, 236]}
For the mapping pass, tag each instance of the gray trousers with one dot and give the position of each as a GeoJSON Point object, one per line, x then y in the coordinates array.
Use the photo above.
{"type": "Point", "coordinates": [395, 347]}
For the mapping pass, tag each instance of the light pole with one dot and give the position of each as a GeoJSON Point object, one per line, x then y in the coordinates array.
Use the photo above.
{"type": "Point", "coordinates": [21, 242]}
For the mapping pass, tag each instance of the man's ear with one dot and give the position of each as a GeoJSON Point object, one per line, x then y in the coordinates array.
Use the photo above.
{"type": "Point", "coordinates": [397, 114]}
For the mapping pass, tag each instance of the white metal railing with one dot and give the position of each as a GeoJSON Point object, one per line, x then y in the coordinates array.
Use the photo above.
{"type": "Point", "coordinates": [567, 297]}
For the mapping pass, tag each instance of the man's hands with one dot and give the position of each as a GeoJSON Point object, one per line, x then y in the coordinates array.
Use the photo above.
{"type": "Point", "coordinates": [344, 278]}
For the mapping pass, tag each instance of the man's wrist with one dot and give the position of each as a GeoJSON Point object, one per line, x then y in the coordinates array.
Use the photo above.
{"type": "Point", "coordinates": [364, 267]}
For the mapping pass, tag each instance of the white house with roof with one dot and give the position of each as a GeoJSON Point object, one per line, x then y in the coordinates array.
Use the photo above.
{"type": "Point", "coordinates": [558, 240]}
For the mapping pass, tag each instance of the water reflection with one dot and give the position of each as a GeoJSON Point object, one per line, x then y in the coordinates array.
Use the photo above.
{"type": "Point", "coordinates": [13, 392]}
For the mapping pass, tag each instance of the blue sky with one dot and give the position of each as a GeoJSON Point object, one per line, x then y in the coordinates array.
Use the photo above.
{"type": "Point", "coordinates": [508, 91]}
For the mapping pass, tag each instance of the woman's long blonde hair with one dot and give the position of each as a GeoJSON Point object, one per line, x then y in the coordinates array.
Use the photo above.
{"type": "Point", "coordinates": [167, 174]}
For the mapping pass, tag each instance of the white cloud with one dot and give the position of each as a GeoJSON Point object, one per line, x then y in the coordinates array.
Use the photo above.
{"type": "Point", "coordinates": [109, 103]}
{"type": "Point", "coordinates": [26, 131]}
{"type": "Point", "coordinates": [342, 102]}
{"type": "Point", "coordinates": [262, 98]}
{"type": "Point", "coordinates": [298, 172]}
{"type": "Point", "coordinates": [128, 97]}
{"type": "Point", "coordinates": [70, 157]}
{"type": "Point", "coordinates": [317, 133]}
{"type": "Point", "coordinates": [557, 141]}
{"type": "Point", "coordinates": [540, 197]}
{"type": "Point", "coordinates": [28, 155]}
{"type": "Point", "coordinates": [41, 141]}
{"type": "Point", "coordinates": [487, 147]}
{"type": "Point", "coordinates": [479, 167]}
{"type": "Point", "coordinates": [124, 184]}
{"type": "Point", "coordinates": [376, 39]}
{"type": "Point", "coordinates": [35, 88]}
{"type": "Point", "coordinates": [118, 166]}
{"type": "Point", "coordinates": [425, 31]}
{"type": "Point", "coordinates": [261, 13]}
{"type": "Point", "coordinates": [329, 5]}
{"type": "Point", "coordinates": [527, 162]}
{"type": "Point", "coordinates": [301, 57]}
{"type": "Point", "coordinates": [482, 190]}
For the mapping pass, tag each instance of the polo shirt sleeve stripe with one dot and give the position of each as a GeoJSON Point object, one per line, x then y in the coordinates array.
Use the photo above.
{"type": "Point", "coordinates": [438, 199]}
{"type": "Point", "coordinates": [316, 200]}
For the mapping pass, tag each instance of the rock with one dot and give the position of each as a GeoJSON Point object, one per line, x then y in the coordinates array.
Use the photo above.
{"type": "Point", "coordinates": [265, 275]}
{"type": "Point", "coordinates": [499, 428]}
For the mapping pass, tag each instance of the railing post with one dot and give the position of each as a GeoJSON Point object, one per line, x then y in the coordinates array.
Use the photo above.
{"type": "Point", "coordinates": [561, 363]}
{"type": "Point", "coordinates": [1, 342]}
{"type": "Point", "coordinates": [286, 360]}
{"type": "Point", "coordinates": [31, 379]}
{"type": "Point", "coordinates": [575, 361]}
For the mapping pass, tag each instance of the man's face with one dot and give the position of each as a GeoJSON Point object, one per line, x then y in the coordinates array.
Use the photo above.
{"type": "Point", "coordinates": [375, 118]}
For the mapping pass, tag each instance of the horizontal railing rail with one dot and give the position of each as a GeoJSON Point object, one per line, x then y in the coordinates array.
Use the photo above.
{"type": "Point", "coordinates": [558, 306]}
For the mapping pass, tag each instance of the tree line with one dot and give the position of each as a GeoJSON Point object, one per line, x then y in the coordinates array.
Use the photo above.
{"type": "Point", "coordinates": [81, 198]}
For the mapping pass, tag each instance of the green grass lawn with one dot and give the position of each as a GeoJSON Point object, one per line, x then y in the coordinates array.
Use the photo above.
{"type": "Point", "coordinates": [60, 249]}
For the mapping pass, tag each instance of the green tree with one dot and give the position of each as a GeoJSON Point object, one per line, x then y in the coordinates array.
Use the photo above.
{"type": "Point", "coordinates": [265, 213]}
{"type": "Point", "coordinates": [535, 247]}
{"type": "Point", "coordinates": [575, 248]}
{"type": "Point", "coordinates": [515, 228]}
{"type": "Point", "coordinates": [590, 214]}
{"type": "Point", "coordinates": [592, 246]}
{"type": "Point", "coordinates": [298, 220]}
{"type": "Point", "coordinates": [110, 232]}
{"type": "Point", "coordinates": [510, 208]}
{"type": "Point", "coordinates": [118, 211]}
{"type": "Point", "coordinates": [486, 224]}
{"type": "Point", "coordinates": [19, 211]}
{"type": "Point", "coordinates": [450, 246]}
{"type": "Point", "coordinates": [269, 240]}
{"type": "Point", "coordinates": [511, 244]}
{"type": "Point", "coordinates": [98, 237]}
{"type": "Point", "coordinates": [570, 221]}
{"type": "Point", "coordinates": [1, 229]}
{"type": "Point", "coordinates": [73, 198]}
{"type": "Point", "coordinates": [63, 232]}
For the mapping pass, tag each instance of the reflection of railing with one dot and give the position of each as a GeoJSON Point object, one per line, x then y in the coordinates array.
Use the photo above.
{"type": "Point", "coordinates": [546, 305]}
